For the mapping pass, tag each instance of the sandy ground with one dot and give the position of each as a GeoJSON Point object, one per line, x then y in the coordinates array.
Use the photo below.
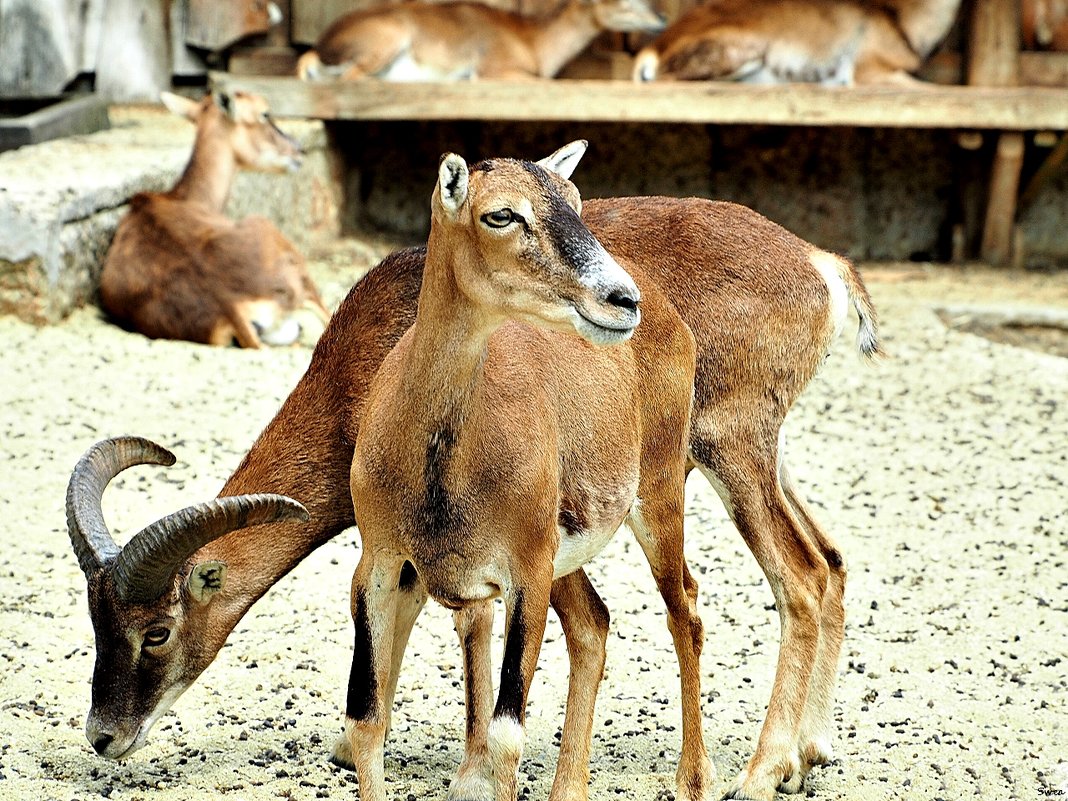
{"type": "Point", "coordinates": [942, 472]}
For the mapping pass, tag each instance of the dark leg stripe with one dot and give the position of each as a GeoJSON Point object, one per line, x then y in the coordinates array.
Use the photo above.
{"type": "Point", "coordinates": [362, 684]}
{"type": "Point", "coordinates": [510, 702]}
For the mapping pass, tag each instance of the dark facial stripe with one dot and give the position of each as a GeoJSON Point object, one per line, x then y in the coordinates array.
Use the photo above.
{"type": "Point", "coordinates": [363, 688]}
{"type": "Point", "coordinates": [570, 235]}
{"type": "Point", "coordinates": [511, 700]}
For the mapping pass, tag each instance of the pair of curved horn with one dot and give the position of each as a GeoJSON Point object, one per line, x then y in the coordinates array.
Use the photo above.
{"type": "Point", "coordinates": [145, 568]}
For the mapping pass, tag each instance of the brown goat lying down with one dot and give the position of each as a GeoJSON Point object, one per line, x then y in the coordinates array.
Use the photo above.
{"type": "Point", "coordinates": [179, 268]}
{"type": "Point", "coordinates": [833, 42]}
{"type": "Point", "coordinates": [465, 40]}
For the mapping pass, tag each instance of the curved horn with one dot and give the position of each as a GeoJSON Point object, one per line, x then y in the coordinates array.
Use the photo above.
{"type": "Point", "coordinates": [147, 565]}
{"type": "Point", "coordinates": [89, 534]}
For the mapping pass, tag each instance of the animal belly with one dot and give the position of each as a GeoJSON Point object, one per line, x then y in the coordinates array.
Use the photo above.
{"type": "Point", "coordinates": [579, 547]}
{"type": "Point", "coordinates": [455, 579]}
{"type": "Point", "coordinates": [405, 68]}
{"type": "Point", "coordinates": [793, 62]}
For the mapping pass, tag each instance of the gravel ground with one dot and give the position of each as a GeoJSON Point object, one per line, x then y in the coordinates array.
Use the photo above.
{"type": "Point", "coordinates": [942, 473]}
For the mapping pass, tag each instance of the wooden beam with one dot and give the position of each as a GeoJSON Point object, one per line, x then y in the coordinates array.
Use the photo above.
{"type": "Point", "coordinates": [952, 107]}
{"type": "Point", "coordinates": [262, 60]}
{"type": "Point", "coordinates": [1036, 69]}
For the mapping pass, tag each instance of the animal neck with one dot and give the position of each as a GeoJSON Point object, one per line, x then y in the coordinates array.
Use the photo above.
{"type": "Point", "coordinates": [210, 172]}
{"type": "Point", "coordinates": [559, 39]}
{"type": "Point", "coordinates": [450, 337]}
{"type": "Point", "coordinates": [318, 416]}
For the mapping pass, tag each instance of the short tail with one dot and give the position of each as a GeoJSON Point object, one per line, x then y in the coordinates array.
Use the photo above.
{"type": "Point", "coordinates": [868, 332]}
{"type": "Point", "coordinates": [308, 66]}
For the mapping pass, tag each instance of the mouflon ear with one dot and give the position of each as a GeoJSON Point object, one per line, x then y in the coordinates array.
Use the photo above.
{"type": "Point", "coordinates": [452, 182]}
{"type": "Point", "coordinates": [206, 579]}
{"type": "Point", "coordinates": [564, 161]}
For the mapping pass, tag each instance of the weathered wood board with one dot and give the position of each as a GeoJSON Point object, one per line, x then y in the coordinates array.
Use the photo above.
{"type": "Point", "coordinates": [1006, 108]}
{"type": "Point", "coordinates": [214, 25]}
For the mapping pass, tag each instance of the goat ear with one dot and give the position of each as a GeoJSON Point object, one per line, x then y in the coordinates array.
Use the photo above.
{"type": "Point", "coordinates": [182, 106]}
{"type": "Point", "coordinates": [452, 182]}
{"type": "Point", "coordinates": [564, 161]}
{"type": "Point", "coordinates": [206, 579]}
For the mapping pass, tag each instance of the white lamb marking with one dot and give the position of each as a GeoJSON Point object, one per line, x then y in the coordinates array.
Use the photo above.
{"type": "Point", "coordinates": [795, 61]}
{"type": "Point", "coordinates": [404, 69]}
{"type": "Point", "coordinates": [823, 747]}
{"type": "Point", "coordinates": [606, 274]}
{"type": "Point", "coordinates": [504, 738]}
{"type": "Point", "coordinates": [646, 66]}
{"type": "Point", "coordinates": [579, 548]}
{"type": "Point", "coordinates": [829, 267]}
{"type": "Point", "coordinates": [284, 333]}
{"type": "Point", "coordinates": [636, 523]}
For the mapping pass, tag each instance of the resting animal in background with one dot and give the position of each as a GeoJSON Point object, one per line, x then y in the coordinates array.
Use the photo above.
{"type": "Point", "coordinates": [179, 268]}
{"type": "Point", "coordinates": [832, 42]}
{"type": "Point", "coordinates": [1044, 24]}
{"type": "Point", "coordinates": [419, 41]}
{"type": "Point", "coordinates": [764, 307]}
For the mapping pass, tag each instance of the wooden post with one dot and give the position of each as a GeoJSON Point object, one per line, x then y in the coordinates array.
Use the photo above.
{"type": "Point", "coordinates": [994, 60]}
{"type": "Point", "coordinates": [994, 46]}
{"type": "Point", "coordinates": [998, 239]}
{"type": "Point", "coordinates": [278, 35]}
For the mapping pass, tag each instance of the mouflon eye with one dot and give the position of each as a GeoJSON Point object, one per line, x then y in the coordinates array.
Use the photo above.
{"type": "Point", "coordinates": [500, 218]}
{"type": "Point", "coordinates": [156, 637]}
